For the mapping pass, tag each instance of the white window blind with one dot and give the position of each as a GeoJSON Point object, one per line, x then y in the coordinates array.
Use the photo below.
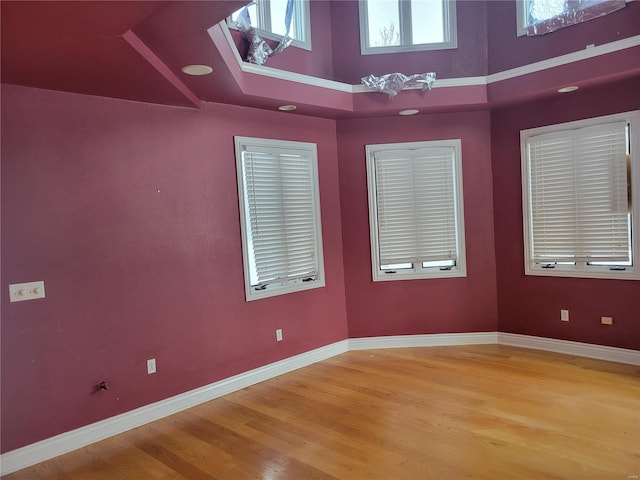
{"type": "Point", "coordinates": [281, 210]}
{"type": "Point", "coordinates": [416, 207]}
{"type": "Point", "coordinates": [415, 210]}
{"type": "Point", "coordinates": [578, 195]}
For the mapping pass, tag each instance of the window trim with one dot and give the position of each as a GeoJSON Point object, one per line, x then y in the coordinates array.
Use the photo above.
{"type": "Point", "coordinates": [294, 285]}
{"type": "Point", "coordinates": [302, 15]}
{"type": "Point", "coordinates": [585, 271]}
{"type": "Point", "coordinates": [521, 17]}
{"type": "Point", "coordinates": [450, 31]}
{"type": "Point", "coordinates": [379, 275]}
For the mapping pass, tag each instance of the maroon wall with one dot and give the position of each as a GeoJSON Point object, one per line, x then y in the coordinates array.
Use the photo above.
{"type": "Point", "coordinates": [507, 50]}
{"type": "Point", "coordinates": [531, 304]}
{"type": "Point", "coordinates": [468, 60]}
{"type": "Point", "coordinates": [129, 213]}
{"type": "Point", "coordinates": [419, 306]}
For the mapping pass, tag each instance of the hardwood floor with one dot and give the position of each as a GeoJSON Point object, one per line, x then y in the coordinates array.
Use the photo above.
{"type": "Point", "coordinates": [482, 412]}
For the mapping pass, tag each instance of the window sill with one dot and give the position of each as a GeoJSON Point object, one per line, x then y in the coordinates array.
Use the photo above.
{"type": "Point", "coordinates": [380, 276]}
{"type": "Point", "coordinates": [629, 274]}
{"type": "Point", "coordinates": [274, 290]}
{"type": "Point", "coordinates": [409, 48]}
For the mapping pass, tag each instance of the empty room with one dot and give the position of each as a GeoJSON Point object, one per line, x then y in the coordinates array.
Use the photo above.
{"type": "Point", "coordinates": [320, 239]}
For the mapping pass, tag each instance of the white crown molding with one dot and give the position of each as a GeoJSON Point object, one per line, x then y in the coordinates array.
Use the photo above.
{"type": "Point", "coordinates": [565, 59]}
{"type": "Point", "coordinates": [81, 437]}
{"type": "Point", "coordinates": [589, 350]}
{"type": "Point", "coordinates": [439, 83]}
{"type": "Point", "coordinates": [295, 77]}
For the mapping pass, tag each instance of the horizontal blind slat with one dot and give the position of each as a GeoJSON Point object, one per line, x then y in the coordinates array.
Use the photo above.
{"type": "Point", "coordinates": [415, 203]}
{"type": "Point", "coordinates": [578, 194]}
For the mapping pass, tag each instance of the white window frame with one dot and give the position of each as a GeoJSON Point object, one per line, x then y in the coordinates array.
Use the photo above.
{"type": "Point", "coordinates": [308, 152]}
{"type": "Point", "coordinates": [449, 25]}
{"type": "Point", "coordinates": [302, 19]}
{"type": "Point", "coordinates": [416, 271]}
{"type": "Point", "coordinates": [582, 269]}
{"type": "Point", "coordinates": [522, 7]}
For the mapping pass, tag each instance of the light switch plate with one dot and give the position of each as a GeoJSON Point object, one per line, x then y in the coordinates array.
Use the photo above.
{"type": "Point", "coordinates": [19, 292]}
{"type": "Point", "coordinates": [151, 366]}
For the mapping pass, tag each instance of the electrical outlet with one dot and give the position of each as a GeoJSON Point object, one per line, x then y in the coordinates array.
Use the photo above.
{"type": "Point", "coordinates": [564, 315]}
{"type": "Point", "coordinates": [151, 366]}
{"type": "Point", "coordinates": [19, 292]}
{"type": "Point", "coordinates": [606, 320]}
{"type": "Point", "coordinates": [279, 335]}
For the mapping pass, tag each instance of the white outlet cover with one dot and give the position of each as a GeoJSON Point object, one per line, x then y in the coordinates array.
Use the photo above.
{"type": "Point", "coordinates": [564, 315]}
{"type": "Point", "coordinates": [19, 292]}
{"type": "Point", "coordinates": [279, 335]}
{"type": "Point", "coordinates": [151, 366]}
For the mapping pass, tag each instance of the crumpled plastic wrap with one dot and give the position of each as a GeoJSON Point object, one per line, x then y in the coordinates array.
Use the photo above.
{"type": "Point", "coordinates": [260, 50]}
{"type": "Point", "coordinates": [394, 83]}
{"type": "Point", "coordinates": [577, 11]}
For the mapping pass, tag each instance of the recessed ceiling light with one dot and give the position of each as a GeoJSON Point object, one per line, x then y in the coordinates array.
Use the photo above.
{"type": "Point", "coordinates": [197, 69]}
{"type": "Point", "coordinates": [286, 108]}
{"type": "Point", "coordinates": [411, 111]}
{"type": "Point", "coordinates": [572, 88]}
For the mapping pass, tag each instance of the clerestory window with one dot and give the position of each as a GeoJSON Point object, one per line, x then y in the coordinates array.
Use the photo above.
{"type": "Point", "coordinates": [388, 26]}
{"type": "Point", "coordinates": [537, 17]}
{"type": "Point", "coordinates": [271, 18]}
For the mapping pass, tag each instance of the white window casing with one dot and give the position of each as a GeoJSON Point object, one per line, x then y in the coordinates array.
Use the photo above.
{"type": "Point", "coordinates": [416, 210]}
{"type": "Point", "coordinates": [280, 216]}
{"type": "Point", "coordinates": [578, 206]}
{"type": "Point", "coordinates": [409, 26]}
{"type": "Point", "coordinates": [552, 15]}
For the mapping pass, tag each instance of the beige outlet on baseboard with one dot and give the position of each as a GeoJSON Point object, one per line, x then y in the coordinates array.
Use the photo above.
{"type": "Point", "coordinates": [606, 320]}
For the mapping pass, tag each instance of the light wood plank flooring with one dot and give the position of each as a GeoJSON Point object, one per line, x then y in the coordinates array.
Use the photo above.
{"type": "Point", "coordinates": [471, 412]}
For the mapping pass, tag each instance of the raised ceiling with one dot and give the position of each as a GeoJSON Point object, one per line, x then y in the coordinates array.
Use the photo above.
{"type": "Point", "coordinates": [134, 50]}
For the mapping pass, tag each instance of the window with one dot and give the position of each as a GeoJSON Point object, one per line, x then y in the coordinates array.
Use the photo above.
{"type": "Point", "coordinates": [415, 210]}
{"type": "Point", "coordinates": [269, 17]}
{"type": "Point", "coordinates": [544, 16]}
{"type": "Point", "coordinates": [388, 26]}
{"type": "Point", "coordinates": [577, 198]}
{"type": "Point", "coordinates": [280, 216]}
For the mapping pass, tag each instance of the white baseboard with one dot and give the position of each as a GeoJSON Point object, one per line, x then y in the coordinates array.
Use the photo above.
{"type": "Point", "coordinates": [81, 437]}
{"type": "Point", "coordinates": [601, 352]}
{"type": "Point", "coordinates": [427, 340]}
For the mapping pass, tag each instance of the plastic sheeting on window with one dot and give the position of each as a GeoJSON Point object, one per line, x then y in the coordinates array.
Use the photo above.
{"type": "Point", "coordinates": [545, 16]}
{"type": "Point", "coordinates": [394, 83]}
{"type": "Point", "coordinates": [259, 49]}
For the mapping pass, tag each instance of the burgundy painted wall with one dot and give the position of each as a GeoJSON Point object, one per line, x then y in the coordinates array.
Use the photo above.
{"type": "Point", "coordinates": [468, 60]}
{"type": "Point", "coordinates": [419, 306]}
{"type": "Point", "coordinates": [531, 305]}
{"type": "Point", "coordinates": [129, 213]}
{"type": "Point", "coordinates": [507, 50]}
